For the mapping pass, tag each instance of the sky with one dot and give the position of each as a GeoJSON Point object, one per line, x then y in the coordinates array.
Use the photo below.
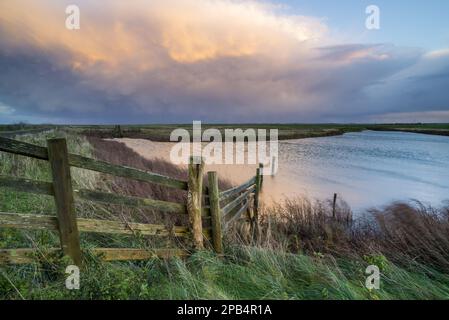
{"type": "Point", "coordinates": [175, 61]}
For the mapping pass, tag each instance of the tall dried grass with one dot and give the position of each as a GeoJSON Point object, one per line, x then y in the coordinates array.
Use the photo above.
{"type": "Point", "coordinates": [404, 232]}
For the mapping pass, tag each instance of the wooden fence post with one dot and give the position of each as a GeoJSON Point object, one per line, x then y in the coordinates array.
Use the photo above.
{"type": "Point", "coordinates": [334, 203]}
{"type": "Point", "coordinates": [255, 222]}
{"type": "Point", "coordinates": [65, 205]}
{"type": "Point", "coordinates": [194, 201]}
{"type": "Point", "coordinates": [215, 212]}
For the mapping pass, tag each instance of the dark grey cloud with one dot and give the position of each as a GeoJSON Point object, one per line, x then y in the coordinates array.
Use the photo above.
{"type": "Point", "coordinates": [165, 69]}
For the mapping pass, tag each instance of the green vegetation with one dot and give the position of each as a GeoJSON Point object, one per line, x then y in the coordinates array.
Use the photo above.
{"type": "Point", "coordinates": [162, 132]}
{"type": "Point", "coordinates": [302, 252]}
{"type": "Point", "coordinates": [286, 131]}
{"type": "Point", "coordinates": [425, 128]}
{"type": "Point", "coordinates": [23, 128]}
{"type": "Point", "coordinates": [244, 273]}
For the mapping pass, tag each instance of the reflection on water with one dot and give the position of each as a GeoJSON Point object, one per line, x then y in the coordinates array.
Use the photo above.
{"type": "Point", "coordinates": [366, 168]}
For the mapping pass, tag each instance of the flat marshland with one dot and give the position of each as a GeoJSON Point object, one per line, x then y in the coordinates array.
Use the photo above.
{"type": "Point", "coordinates": [162, 132]}
{"type": "Point", "coordinates": [303, 252]}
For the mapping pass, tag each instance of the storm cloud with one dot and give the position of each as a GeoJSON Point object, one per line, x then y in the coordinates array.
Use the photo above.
{"type": "Point", "coordinates": [184, 60]}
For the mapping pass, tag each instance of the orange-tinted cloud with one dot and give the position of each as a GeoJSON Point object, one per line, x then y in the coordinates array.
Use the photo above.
{"type": "Point", "coordinates": [187, 31]}
{"type": "Point", "coordinates": [170, 60]}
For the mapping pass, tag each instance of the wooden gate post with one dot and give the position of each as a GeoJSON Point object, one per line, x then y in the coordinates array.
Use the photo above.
{"type": "Point", "coordinates": [334, 203]}
{"type": "Point", "coordinates": [65, 205]}
{"type": "Point", "coordinates": [194, 201]}
{"type": "Point", "coordinates": [215, 212]}
{"type": "Point", "coordinates": [258, 182]}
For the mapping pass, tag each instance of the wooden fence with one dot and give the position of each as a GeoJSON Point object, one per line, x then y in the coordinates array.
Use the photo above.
{"type": "Point", "coordinates": [202, 202]}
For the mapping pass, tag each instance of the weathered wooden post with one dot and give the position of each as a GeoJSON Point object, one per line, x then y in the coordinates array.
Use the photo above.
{"type": "Point", "coordinates": [214, 202]}
{"type": "Point", "coordinates": [334, 203]}
{"type": "Point", "coordinates": [194, 201]}
{"type": "Point", "coordinates": [258, 182]}
{"type": "Point", "coordinates": [65, 205]}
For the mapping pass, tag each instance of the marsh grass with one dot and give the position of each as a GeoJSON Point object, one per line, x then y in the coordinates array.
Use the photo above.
{"type": "Point", "coordinates": [403, 232]}
{"type": "Point", "coordinates": [246, 272]}
{"type": "Point", "coordinates": [302, 251]}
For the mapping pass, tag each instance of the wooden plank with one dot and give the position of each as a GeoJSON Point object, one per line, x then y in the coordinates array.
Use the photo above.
{"type": "Point", "coordinates": [232, 190]}
{"type": "Point", "coordinates": [28, 221]}
{"type": "Point", "coordinates": [234, 203]}
{"type": "Point", "coordinates": [236, 190]}
{"type": "Point", "coordinates": [113, 254]}
{"type": "Point", "coordinates": [232, 217]}
{"type": "Point", "coordinates": [23, 148]}
{"type": "Point", "coordinates": [26, 185]}
{"type": "Point", "coordinates": [194, 201]}
{"type": "Point", "coordinates": [44, 222]}
{"type": "Point", "coordinates": [111, 198]}
{"type": "Point", "coordinates": [65, 203]}
{"type": "Point", "coordinates": [25, 256]}
{"type": "Point", "coordinates": [125, 172]}
{"type": "Point", "coordinates": [38, 152]}
{"type": "Point", "coordinates": [255, 222]}
{"type": "Point", "coordinates": [46, 188]}
{"type": "Point", "coordinates": [334, 204]}
{"type": "Point", "coordinates": [214, 203]}
{"type": "Point", "coordinates": [21, 256]}
{"type": "Point", "coordinates": [116, 227]}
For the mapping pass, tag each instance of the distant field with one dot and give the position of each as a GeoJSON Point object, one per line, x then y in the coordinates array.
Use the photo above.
{"type": "Point", "coordinates": [159, 132]}
{"type": "Point", "coordinates": [435, 129]}
{"type": "Point", "coordinates": [162, 132]}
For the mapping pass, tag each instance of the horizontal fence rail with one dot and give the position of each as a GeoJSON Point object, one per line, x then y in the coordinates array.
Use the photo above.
{"type": "Point", "coordinates": [231, 217]}
{"type": "Point", "coordinates": [46, 188]}
{"type": "Point", "coordinates": [38, 152]}
{"type": "Point", "coordinates": [27, 185]}
{"type": "Point", "coordinates": [204, 204]}
{"type": "Point", "coordinates": [110, 198]}
{"type": "Point", "coordinates": [125, 172]}
{"type": "Point", "coordinates": [234, 203]}
{"type": "Point", "coordinates": [225, 195]}
{"type": "Point", "coordinates": [29, 255]}
{"type": "Point", "coordinates": [46, 222]}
